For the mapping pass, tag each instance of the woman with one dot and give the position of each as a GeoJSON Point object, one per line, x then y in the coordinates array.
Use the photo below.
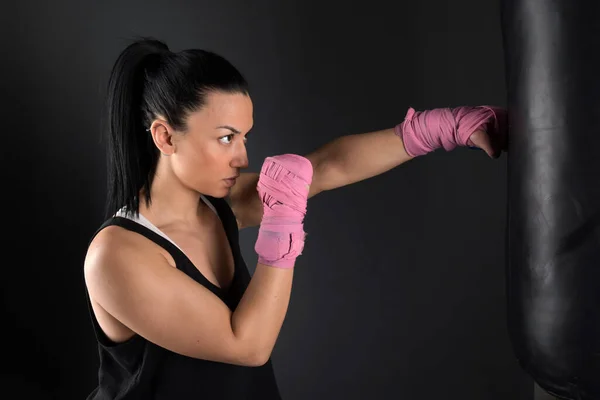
{"type": "Point", "coordinates": [175, 311]}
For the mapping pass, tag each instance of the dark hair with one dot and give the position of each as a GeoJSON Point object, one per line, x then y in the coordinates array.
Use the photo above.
{"type": "Point", "coordinates": [147, 81]}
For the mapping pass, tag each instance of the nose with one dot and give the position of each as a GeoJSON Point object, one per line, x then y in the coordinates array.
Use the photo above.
{"type": "Point", "coordinates": [240, 158]}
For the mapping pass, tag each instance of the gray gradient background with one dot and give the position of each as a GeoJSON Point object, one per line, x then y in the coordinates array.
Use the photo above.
{"type": "Point", "coordinates": [400, 291]}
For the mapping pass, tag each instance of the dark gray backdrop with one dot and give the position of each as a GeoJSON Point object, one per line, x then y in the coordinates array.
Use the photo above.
{"type": "Point", "coordinates": [400, 291]}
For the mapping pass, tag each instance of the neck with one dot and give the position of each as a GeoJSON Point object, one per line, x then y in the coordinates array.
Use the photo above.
{"type": "Point", "coordinates": [171, 202]}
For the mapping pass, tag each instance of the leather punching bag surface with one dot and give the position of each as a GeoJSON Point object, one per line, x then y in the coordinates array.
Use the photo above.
{"type": "Point", "coordinates": [552, 50]}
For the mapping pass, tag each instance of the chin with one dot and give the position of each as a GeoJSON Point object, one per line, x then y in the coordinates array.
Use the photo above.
{"type": "Point", "coordinates": [217, 193]}
{"type": "Point", "coordinates": [223, 195]}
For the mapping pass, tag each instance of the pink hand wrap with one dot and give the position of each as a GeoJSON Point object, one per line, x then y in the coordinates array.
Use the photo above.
{"type": "Point", "coordinates": [283, 187]}
{"type": "Point", "coordinates": [425, 131]}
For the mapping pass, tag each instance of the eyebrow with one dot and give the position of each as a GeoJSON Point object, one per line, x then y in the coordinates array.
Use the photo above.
{"type": "Point", "coordinates": [229, 127]}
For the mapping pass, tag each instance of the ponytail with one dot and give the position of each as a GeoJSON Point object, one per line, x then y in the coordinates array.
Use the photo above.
{"type": "Point", "coordinates": [131, 155]}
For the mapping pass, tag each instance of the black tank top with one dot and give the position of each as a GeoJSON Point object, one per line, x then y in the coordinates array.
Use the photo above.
{"type": "Point", "coordinates": [139, 369]}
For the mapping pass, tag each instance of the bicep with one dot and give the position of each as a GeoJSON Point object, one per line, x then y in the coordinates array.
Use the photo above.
{"type": "Point", "coordinates": [163, 305]}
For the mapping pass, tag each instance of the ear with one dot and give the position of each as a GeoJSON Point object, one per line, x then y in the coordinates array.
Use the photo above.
{"type": "Point", "coordinates": [162, 135]}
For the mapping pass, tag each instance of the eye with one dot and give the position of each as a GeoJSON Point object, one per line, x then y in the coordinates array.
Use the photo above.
{"type": "Point", "coordinates": [230, 137]}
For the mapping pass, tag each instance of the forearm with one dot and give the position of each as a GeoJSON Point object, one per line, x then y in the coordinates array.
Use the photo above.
{"type": "Point", "coordinates": [345, 160]}
{"type": "Point", "coordinates": [353, 158]}
{"type": "Point", "coordinates": [259, 316]}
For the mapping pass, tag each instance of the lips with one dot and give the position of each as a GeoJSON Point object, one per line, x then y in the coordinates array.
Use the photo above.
{"type": "Point", "coordinates": [230, 181]}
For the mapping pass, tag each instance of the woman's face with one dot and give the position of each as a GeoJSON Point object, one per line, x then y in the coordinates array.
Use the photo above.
{"type": "Point", "coordinates": [213, 149]}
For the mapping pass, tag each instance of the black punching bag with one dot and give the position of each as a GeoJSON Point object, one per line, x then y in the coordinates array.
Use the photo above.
{"type": "Point", "coordinates": [552, 50]}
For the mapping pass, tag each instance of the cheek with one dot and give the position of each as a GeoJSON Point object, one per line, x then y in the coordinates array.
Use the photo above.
{"type": "Point", "coordinates": [199, 162]}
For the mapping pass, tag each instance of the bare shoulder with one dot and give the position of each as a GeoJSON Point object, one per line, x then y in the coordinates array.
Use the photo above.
{"type": "Point", "coordinates": [113, 243]}
{"type": "Point", "coordinates": [109, 240]}
{"type": "Point", "coordinates": [119, 261]}
{"type": "Point", "coordinates": [111, 249]}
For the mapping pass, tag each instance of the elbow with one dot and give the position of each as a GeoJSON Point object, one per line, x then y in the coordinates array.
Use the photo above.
{"type": "Point", "coordinates": [259, 362]}
{"type": "Point", "coordinates": [253, 355]}
{"type": "Point", "coordinates": [256, 358]}
{"type": "Point", "coordinates": [250, 351]}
